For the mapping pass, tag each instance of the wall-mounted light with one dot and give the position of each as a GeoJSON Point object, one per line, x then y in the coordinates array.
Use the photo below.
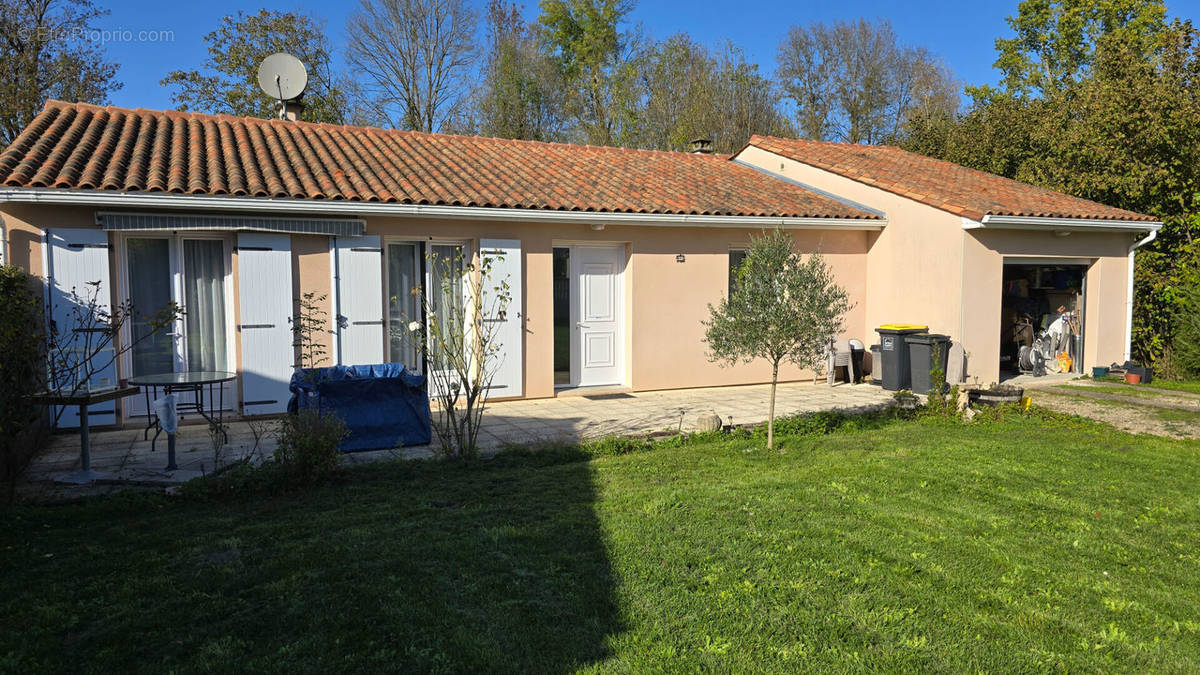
{"type": "Point", "coordinates": [679, 258]}
{"type": "Point", "coordinates": [597, 226]}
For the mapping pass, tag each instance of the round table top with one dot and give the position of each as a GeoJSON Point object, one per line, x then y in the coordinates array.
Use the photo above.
{"type": "Point", "coordinates": [190, 377]}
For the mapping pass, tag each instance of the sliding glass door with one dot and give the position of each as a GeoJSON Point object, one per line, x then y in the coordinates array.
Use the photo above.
{"type": "Point", "coordinates": [204, 302]}
{"type": "Point", "coordinates": [149, 283]}
{"type": "Point", "coordinates": [404, 303]}
{"type": "Point", "coordinates": [192, 271]}
{"type": "Point", "coordinates": [435, 271]}
{"type": "Point", "coordinates": [445, 288]}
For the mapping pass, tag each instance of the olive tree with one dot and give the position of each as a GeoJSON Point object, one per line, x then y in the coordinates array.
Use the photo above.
{"type": "Point", "coordinates": [781, 307]}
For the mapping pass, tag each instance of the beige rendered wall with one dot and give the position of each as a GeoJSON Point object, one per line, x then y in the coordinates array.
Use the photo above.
{"type": "Point", "coordinates": [926, 268]}
{"type": "Point", "coordinates": [23, 225]}
{"type": "Point", "coordinates": [914, 266]}
{"type": "Point", "coordinates": [665, 300]}
{"type": "Point", "coordinates": [312, 273]}
{"type": "Point", "coordinates": [1105, 292]}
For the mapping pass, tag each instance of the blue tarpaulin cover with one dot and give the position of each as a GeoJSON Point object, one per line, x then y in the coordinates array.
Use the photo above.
{"type": "Point", "coordinates": [383, 405]}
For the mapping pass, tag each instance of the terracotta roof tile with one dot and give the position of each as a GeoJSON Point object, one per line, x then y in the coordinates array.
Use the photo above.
{"type": "Point", "coordinates": [943, 185]}
{"type": "Point", "coordinates": [80, 146]}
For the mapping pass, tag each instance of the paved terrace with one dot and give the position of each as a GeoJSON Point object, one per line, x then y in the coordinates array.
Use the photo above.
{"type": "Point", "coordinates": [127, 458]}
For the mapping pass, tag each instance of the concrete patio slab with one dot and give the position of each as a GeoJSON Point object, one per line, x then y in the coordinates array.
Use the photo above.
{"type": "Point", "coordinates": [126, 457]}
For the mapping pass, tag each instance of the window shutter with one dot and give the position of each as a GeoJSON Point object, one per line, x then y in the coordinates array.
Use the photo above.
{"type": "Point", "coordinates": [510, 336]}
{"type": "Point", "coordinates": [76, 259]}
{"type": "Point", "coordinates": [265, 306]}
{"type": "Point", "coordinates": [358, 272]}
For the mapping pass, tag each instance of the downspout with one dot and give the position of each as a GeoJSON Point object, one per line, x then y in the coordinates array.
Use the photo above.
{"type": "Point", "coordinates": [1129, 298]}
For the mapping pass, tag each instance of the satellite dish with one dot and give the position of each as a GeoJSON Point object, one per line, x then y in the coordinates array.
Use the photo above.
{"type": "Point", "coordinates": [282, 77]}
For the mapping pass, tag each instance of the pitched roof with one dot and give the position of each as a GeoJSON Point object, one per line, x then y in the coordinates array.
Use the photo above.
{"type": "Point", "coordinates": [940, 184]}
{"type": "Point", "coordinates": [80, 146]}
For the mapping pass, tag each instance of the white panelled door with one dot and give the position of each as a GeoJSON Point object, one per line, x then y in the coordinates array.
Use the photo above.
{"type": "Point", "coordinates": [510, 333]}
{"type": "Point", "coordinates": [77, 270]}
{"type": "Point", "coordinates": [597, 341]}
{"type": "Point", "coordinates": [358, 271]}
{"type": "Point", "coordinates": [265, 292]}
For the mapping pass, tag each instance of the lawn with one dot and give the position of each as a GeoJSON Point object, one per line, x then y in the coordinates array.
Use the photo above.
{"type": "Point", "coordinates": [1187, 386]}
{"type": "Point", "coordinates": [1000, 546]}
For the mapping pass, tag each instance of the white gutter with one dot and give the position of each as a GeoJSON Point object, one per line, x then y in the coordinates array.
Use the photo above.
{"type": "Point", "coordinates": [1065, 224]}
{"type": "Point", "coordinates": [168, 200]}
{"type": "Point", "coordinates": [1129, 298]}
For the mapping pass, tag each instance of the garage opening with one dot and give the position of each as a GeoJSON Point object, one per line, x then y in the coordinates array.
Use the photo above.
{"type": "Point", "coordinates": [1042, 317]}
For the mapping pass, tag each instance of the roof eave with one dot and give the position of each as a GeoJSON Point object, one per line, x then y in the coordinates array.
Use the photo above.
{"type": "Point", "coordinates": [175, 201]}
{"type": "Point", "coordinates": [1066, 224]}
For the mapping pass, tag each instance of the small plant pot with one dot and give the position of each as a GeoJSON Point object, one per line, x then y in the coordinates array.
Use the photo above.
{"type": "Point", "coordinates": [1099, 372]}
{"type": "Point", "coordinates": [1133, 378]}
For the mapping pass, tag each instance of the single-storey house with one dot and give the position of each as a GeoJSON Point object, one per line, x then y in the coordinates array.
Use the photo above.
{"type": "Point", "coordinates": [613, 254]}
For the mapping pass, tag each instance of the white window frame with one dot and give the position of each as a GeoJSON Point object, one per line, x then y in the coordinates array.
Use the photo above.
{"type": "Point", "coordinates": [419, 259]}
{"type": "Point", "coordinates": [175, 240]}
{"type": "Point", "coordinates": [423, 247]}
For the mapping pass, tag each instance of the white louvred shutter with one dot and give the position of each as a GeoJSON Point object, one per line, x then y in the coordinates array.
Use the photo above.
{"type": "Point", "coordinates": [77, 269]}
{"type": "Point", "coordinates": [510, 334]}
{"type": "Point", "coordinates": [265, 304]}
{"type": "Point", "coordinates": [358, 271]}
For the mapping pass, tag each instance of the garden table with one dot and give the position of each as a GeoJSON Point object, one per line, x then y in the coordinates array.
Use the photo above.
{"type": "Point", "coordinates": [194, 382]}
{"type": "Point", "coordinates": [83, 400]}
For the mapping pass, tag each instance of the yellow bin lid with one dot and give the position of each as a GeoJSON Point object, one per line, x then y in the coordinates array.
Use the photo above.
{"type": "Point", "coordinates": [903, 326]}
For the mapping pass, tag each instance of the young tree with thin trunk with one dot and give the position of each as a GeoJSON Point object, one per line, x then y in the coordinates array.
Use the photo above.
{"type": "Point", "coordinates": [416, 58]}
{"type": "Point", "coordinates": [782, 308]}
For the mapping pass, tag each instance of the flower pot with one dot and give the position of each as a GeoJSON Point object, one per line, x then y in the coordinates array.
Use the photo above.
{"type": "Point", "coordinates": [1099, 372]}
{"type": "Point", "coordinates": [1133, 378]}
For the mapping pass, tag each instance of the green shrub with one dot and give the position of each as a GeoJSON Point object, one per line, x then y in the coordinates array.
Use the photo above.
{"type": "Point", "coordinates": [1185, 353]}
{"type": "Point", "coordinates": [307, 453]}
{"type": "Point", "coordinates": [21, 423]}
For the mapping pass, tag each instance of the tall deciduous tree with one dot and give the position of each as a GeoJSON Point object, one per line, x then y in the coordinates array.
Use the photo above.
{"type": "Point", "coordinates": [598, 63]}
{"type": "Point", "coordinates": [416, 57]}
{"type": "Point", "coordinates": [1055, 41]}
{"type": "Point", "coordinates": [691, 93]}
{"type": "Point", "coordinates": [782, 308]}
{"type": "Point", "coordinates": [522, 89]}
{"type": "Point", "coordinates": [228, 81]}
{"type": "Point", "coordinates": [45, 52]}
{"type": "Point", "coordinates": [853, 81]}
{"type": "Point", "coordinates": [1127, 133]}
{"type": "Point", "coordinates": [676, 76]}
{"type": "Point", "coordinates": [743, 103]}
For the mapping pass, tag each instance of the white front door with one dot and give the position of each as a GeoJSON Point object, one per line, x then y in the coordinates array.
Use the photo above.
{"type": "Point", "coordinates": [597, 309]}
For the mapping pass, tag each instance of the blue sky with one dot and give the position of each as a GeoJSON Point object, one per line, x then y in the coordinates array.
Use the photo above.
{"type": "Point", "coordinates": [961, 31]}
